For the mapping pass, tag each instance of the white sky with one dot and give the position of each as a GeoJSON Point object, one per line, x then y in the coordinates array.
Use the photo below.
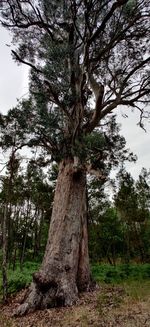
{"type": "Point", "coordinates": [13, 77]}
{"type": "Point", "coordinates": [13, 85]}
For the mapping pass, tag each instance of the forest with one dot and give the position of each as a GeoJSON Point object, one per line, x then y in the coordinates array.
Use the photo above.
{"type": "Point", "coordinates": [119, 229]}
{"type": "Point", "coordinates": [73, 240]}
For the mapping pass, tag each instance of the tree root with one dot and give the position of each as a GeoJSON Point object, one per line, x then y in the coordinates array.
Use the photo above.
{"type": "Point", "coordinates": [48, 297]}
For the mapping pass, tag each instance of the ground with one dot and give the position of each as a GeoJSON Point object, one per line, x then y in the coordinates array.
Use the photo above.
{"type": "Point", "coordinates": [107, 306]}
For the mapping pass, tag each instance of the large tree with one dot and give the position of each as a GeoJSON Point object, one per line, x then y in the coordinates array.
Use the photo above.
{"type": "Point", "coordinates": [86, 58]}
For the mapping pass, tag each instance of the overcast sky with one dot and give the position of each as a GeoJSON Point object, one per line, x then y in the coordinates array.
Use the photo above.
{"type": "Point", "coordinates": [13, 85]}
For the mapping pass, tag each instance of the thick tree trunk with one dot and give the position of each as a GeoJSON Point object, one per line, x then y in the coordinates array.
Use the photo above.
{"type": "Point", "coordinates": [65, 268]}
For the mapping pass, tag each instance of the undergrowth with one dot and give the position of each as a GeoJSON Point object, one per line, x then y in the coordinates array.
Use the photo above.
{"type": "Point", "coordinates": [19, 279]}
{"type": "Point", "coordinates": [117, 274]}
{"type": "Point", "coordinates": [125, 274]}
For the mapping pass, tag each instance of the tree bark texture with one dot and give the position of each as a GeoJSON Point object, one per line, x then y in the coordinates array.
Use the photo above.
{"type": "Point", "coordinates": [65, 268]}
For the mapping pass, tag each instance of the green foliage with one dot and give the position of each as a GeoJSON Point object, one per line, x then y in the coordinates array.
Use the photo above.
{"type": "Point", "coordinates": [129, 7]}
{"type": "Point", "coordinates": [67, 46]}
{"type": "Point", "coordinates": [126, 199]}
{"type": "Point", "coordinates": [132, 202]}
{"type": "Point", "coordinates": [120, 273]}
{"type": "Point", "coordinates": [106, 238]}
{"type": "Point", "coordinates": [102, 273]}
{"type": "Point", "coordinates": [28, 196]}
{"type": "Point", "coordinates": [122, 231]}
{"type": "Point", "coordinates": [20, 279]}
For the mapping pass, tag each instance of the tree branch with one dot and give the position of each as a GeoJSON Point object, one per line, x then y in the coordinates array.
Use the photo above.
{"type": "Point", "coordinates": [131, 73]}
{"type": "Point", "coordinates": [109, 108]}
{"type": "Point", "coordinates": [101, 28]}
{"type": "Point", "coordinates": [29, 22]}
{"type": "Point", "coordinates": [96, 172]}
{"type": "Point", "coordinates": [118, 36]}
{"type": "Point", "coordinates": [18, 58]}
{"type": "Point", "coordinates": [98, 90]}
{"type": "Point", "coordinates": [47, 83]}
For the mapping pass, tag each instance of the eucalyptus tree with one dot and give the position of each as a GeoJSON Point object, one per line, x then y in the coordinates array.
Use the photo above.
{"type": "Point", "coordinates": [6, 211]}
{"type": "Point", "coordinates": [132, 203]}
{"type": "Point", "coordinates": [143, 217]}
{"type": "Point", "coordinates": [143, 191]}
{"type": "Point", "coordinates": [86, 58]}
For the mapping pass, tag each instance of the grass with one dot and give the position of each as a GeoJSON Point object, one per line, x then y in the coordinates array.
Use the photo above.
{"type": "Point", "coordinates": [127, 275]}
{"type": "Point", "coordinates": [123, 299]}
{"type": "Point", "coordinates": [18, 279]}
{"type": "Point", "coordinates": [118, 274]}
{"type": "Point", "coordinates": [137, 290]}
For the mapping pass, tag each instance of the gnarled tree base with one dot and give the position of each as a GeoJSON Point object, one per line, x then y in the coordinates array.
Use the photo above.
{"type": "Point", "coordinates": [65, 268]}
{"type": "Point", "coordinates": [54, 296]}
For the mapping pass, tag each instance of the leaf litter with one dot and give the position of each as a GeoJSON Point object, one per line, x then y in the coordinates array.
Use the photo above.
{"type": "Point", "coordinates": [106, 306]}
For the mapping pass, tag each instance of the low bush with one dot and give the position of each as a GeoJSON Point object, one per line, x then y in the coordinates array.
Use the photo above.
{"type": "Point", "coordinates": [19, 279]}
{"type": "Point", "coordinates": [102, 273]}
{"type": "Point", "coordinates": [119, 273]}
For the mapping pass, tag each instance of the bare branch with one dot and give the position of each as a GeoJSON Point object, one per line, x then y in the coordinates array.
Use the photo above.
{"type": "Point", "coordinates": [18, 58]}
{"type": "Point", "coordinates": [108, 109]}
{"type": "Point", "coordinates": [38, 21]}
{"type": "Point", "coordinates": [98, 90]}
{"type": "Point", "coordinates": [117, 38]}
{"type": "Point", "coordinates": [132, 72]}
{"type": "Point", "coordinates": [101, 28]}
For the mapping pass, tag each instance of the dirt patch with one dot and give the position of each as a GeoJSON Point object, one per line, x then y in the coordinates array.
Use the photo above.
{"type": "Point", "coordinates": [105, 307]}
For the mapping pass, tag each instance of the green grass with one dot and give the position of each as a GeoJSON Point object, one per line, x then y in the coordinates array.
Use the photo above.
{"type": "Point", "coordinates": [121, 274]}
{"type": "Point", "coordinates": [18, 279]}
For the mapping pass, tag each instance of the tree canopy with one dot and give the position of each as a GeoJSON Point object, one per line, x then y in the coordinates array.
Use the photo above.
{"type": "Point", "coordinates": [86, 59]}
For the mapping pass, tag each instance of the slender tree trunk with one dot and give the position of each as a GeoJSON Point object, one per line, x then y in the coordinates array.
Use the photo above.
{"type": "Point", "coordinates": [9, 225]}
{"type": "Point", "coordinates": [14, 256]}
{"type": "Point", "coordinates": [36, 237]}
{"type": "Point", "coordinates": [65, 268]}
{"type": "Point", "coordinates": [23, 250]}
{"type": "Point", "coordinates": [4, 250]}
{"type": "Point", "coordinates": [25, 234]}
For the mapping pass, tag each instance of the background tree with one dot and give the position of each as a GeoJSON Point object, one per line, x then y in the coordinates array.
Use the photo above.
{"type": "Point", "coordinates": [25, 204]}
{"type": "Point", "coordinates": [143, 217]}
{"type": "Point", "coordinates": [132, 203]}
{"type": "Point", "coordinates": [76, 50]}
{"type": "Point", "coordinates": [6, 210]}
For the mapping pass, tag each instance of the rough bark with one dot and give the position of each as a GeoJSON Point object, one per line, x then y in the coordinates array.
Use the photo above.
{"type": "Point", "coordinates": [65, 268]}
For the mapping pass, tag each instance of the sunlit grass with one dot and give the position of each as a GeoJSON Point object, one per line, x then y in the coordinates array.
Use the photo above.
{"type": "Point", "coordinates": [138, 290]}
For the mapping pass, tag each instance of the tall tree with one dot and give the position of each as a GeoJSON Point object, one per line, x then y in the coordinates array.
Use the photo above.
{"type": "Point", "coordinates": [132, 203]}
{"type": "Point", "coordinates": [76, 50]}
{"type": "Point", "coordinates": [143, 217]}
{"type": "Point", "coordinates": [127, 206]}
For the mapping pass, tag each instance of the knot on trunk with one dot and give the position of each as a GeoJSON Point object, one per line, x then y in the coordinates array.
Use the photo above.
{"type": "Point", "coordinates": [44, 283]}
{"type": "Point", "coordinates": [77, 174]}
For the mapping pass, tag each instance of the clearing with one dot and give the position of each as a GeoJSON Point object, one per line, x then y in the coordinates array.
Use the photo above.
{"type": "Point", "coordinates": [125, 305]}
